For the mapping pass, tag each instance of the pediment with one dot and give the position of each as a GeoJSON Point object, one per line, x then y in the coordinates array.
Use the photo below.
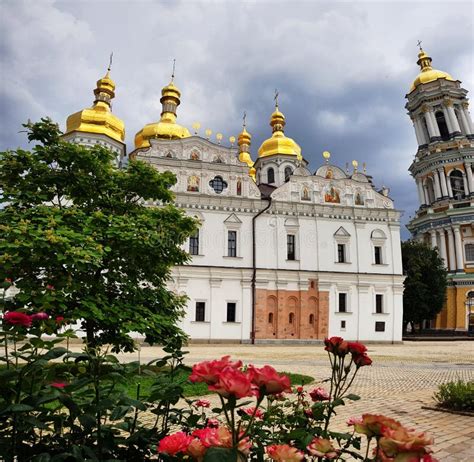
{"type": "Point", "coordinates": [232, 219]}
{"type": "Point", "coordinates": [341, 232]}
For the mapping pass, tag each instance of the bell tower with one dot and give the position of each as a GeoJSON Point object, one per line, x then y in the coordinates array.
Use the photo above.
{"type": "Point", "coordinates": [443, 171]}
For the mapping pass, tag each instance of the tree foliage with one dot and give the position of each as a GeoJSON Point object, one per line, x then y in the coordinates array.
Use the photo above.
{"type": "Point", "coordinates": [425, 283]}
{"type": "Point", "coordinates": [78, 240]}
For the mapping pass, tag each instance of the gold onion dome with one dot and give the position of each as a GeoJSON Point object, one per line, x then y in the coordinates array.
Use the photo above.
{"type": "Point", "coordinates": [279, 143]}
{"type": "Point", "coordinates": [428, 74]}
{"type": "Point", "coordinates": [244, 142]}
{"type": "Point", "coordinates": [166, 127]}
{"type": "Point", "coordinates": [99, 118]}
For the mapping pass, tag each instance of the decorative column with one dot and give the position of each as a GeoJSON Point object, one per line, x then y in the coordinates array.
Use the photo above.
{"type": "Point", "coordinates": [421, 193]}
{"type": "Point", "coordinates": [464, 121]}
{"type": "Point", "coordinates": [442, 247]}
{"type": "Point", "coordinates": [447, 118]}
{"type": "Point", "coordinates": [465, 110]}
{"type": "Point", "coordinates": [448, 105]}
{"type": "Point", "coordinates": [450, 189]}
{"type": "Point", "coordinates": [434, 244]}
{"type": "Point", "coordinates": [419, 139]}
{"type": "Point", "coordinates": [468, 168]}
{"type": "Point", "coordinates": [466, 187]}
{"type": "Point", "coordinates": [429, 122]}
{"type": "Point", "coordinates": [421, 131]}
{"type": "Point", "coordinates": [452, 254]}
{"type": "Point", "coordinates": [442, 179]}
{"type": "Point", "coordinates": [458, 244]}
{"type": "Point", "coordinates": [437, 187]}
{"type": "Point", "coordinates": [434, 123]}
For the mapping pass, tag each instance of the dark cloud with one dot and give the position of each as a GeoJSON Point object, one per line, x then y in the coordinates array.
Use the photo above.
{"type": "Point", "coordinates": [342, 69]}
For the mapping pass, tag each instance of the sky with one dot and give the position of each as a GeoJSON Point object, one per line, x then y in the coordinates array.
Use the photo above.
{"type": "Point", "coordinates": [342, 69]}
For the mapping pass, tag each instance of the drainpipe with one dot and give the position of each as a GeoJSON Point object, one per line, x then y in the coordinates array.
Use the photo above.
{"type": "Point", "coordinates": [254, 267]}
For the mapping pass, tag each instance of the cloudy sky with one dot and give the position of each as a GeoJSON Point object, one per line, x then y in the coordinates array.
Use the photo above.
{"type": "Point", "coordinates": [342, 69]}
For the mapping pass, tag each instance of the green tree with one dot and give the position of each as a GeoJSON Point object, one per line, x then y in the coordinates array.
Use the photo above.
{"type": "Point", "coordinates": [425, 283]}
{"type": "Point", "coordinates": [77, 240]}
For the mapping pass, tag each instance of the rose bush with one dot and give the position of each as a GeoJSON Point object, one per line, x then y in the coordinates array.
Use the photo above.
{"type": "Point", "coordinates": [58, 405]}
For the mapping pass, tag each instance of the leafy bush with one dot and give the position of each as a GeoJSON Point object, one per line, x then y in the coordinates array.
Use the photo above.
{"type": "Point", "coordinates": [457, 395]}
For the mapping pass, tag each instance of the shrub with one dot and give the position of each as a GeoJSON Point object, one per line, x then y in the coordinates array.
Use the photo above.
{"type": "Point", "coordinates": [458, 395]}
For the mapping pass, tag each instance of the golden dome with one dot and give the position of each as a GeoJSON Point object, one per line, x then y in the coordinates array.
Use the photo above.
{"type": "Point", "coordinates": [428, 74]}
{"type": "Point", "coordinates": [279, 143]}
{"type": "Point", "coordinates": [99, 118]}
{"type": "Point", "coordinates": [166, 127]}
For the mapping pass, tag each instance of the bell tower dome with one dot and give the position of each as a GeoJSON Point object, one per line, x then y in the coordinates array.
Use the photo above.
{"type": "Point", "coordinates": [443, 172]}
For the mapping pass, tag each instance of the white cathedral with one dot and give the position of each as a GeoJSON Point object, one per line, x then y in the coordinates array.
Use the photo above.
{"type": "Point", "coordinates": [283, 254]}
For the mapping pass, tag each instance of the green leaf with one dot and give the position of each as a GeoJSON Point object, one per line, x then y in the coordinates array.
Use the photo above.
{"type": "Point", "coordinates": [352, 397]}
{"type": "Point", "coordinates": [221, 455]}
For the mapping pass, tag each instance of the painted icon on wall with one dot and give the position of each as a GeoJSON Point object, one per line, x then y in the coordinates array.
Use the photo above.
{"type": "Point", "coordinates": [332, 196]}
{"type": "Point", "coordinates": [193, 183]}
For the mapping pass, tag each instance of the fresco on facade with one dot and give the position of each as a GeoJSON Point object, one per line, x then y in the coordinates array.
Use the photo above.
{"type": "Point", "coordinates": [332, 196]}
{"type": "Point", "coordinates": [193, 183]}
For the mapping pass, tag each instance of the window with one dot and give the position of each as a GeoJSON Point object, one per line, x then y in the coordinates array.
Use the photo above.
{"type": "Point", "coordinates": [378, 255]}
{"type": "Point", "coordinates": [379, 326]}
{"type": "Point", "coordinates": [291, 318]}
{"type": "Point", "coordinates": [342, 307]}
{"type": "Point", "coordinates": [378, 303]}
{"type": "Point", "coordinates": [270, 318]}
{"type": "Point", "coordinates": [270, 176]}
{"type": "Point", "coordinates": [341, 253]}
{"type": "Point", "coordinates": [232, 244]}
{"type": "Point", "coordinates": [231, 309]}
{"type": "Point", "coordinates": [343, 325]}
{"type": "Point", "coordinates": [218, 184]}
{"type": "Point", "coordinates": [194, 244]}
{"type": "Point", "coordinates": [457, 184]}
{"type": "Point", "coordinates": [200, 311]}
{"type": "Point", "coordinates": [443, 127]}
{"type": "Point", "coordinates": [288, 173]}
{"type": "Point", "coordinates": [469, 249]}
{"type": "Point", "coordinates": [311, 318]}
{"type": "Point", "coordinates": [290, 246]}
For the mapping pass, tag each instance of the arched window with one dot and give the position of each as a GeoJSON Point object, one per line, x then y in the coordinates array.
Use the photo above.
{"type": "Point", "coordinates": [291, 318]}
{"type": "Point", "coordinates": [288, 173]}
{"type": "Point", "coordinates": [429, 188]}
{"type": "Point", "coordinates": [311, 318]}
{"type": "Point", "coordinates": [442, 125]}
{"type": "Point", "coordinates": [270, 176]}
{"type": "Point", "coordinates": [457, 184]}
{"type": "Point", "coordinates": [270, 318]}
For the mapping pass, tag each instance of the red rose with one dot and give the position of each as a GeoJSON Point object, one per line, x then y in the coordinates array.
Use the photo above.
{"type": "Point", "coordinates": [59, 319]}
{"type": "Point", "coordinates": [268, 380]}
{"type": "Point", "coordinates": [40, 316]}
{"type": "Point", "coordinates": [172, 444]}
{"type": "Point", "coordinates": [17, 318]}
{"type": "Point", "coordinates": [356, 348]}
{"type": "Point", "coordinates": [232, 382]}
{"type": "Point", "coordinates": [8, 280]}
{"type": "Point", "coordinates": [362, 360]}
{"type": "Point", "coordinates": [58, 384]}
{"type": "Point", "coordinates": [336, 345]}
{"type": "Point", "coordinates": [202, 403]}
{"type": "Point", "coordinates": [319, 394]}
{"type": "Point", "coordinates": [207, 371]}
{"type": "Point", "coordinates": [49, 287]}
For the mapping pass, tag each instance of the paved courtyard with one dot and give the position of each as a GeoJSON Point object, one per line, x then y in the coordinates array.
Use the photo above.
{"type": "Point", "coordinates": [401, 380]}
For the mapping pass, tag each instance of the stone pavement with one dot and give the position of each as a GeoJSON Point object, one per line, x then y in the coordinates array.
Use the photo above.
{"type": "Point", "coordinates": [401, 380]}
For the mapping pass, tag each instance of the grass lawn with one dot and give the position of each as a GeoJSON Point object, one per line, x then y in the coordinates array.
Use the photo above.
{"type": "Point", "coordinates": [196, 389]}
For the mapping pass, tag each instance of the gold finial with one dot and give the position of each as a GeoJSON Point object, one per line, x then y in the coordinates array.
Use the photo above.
{"type": "Point", "coordinates": [174, 68]}
{"type": "Point", "coordinates": [208, 133]}
{"type": "Point", "coordinates": [276, 98]}
{"type": "Point", "coordinates": [219, 138]}
{"type": "Point", "coordinates": [327, 156]}
{"type": "Point", "coordinates": [244, 120]}
{"type": "Point", "coordinates": [364, 166]}
{"type": "Point", "coordinates": [196, 126]}
{"type": "Point", "coordinates": [355, 164]}
{"type": "Point", "coordinates": [110, 61]}
{"type": "Point", "coordinates": [232, 140]}
{"type": "Point", "coordinates": [418, 44]}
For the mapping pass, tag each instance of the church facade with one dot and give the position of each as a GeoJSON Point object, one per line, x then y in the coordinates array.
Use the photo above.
{"type": "Point", "coordinates": [283, 253]}
{"type": "Point", "coordinates": [442, 168]}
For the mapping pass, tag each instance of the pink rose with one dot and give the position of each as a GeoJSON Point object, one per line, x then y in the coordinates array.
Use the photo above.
{"type": "Point", "coordinates": [319, 394]}
{"type": "Point", "coordinates": [202, 403]}
{"type": "Point", "coordinates": [58, 384]}
{"type": "Point", "coordinates": [268, 380]}
{"type": "Point", "coordinates": [17, 318]}
{"type": "Point", "coordinates": [196, 449]}
{"type": "Point", "coordinates": [207, 371]}
{"type": "Point", "coordinates": [40, 316]}
{"type": "Point", "coordinates": [213, 423]}
{"type": "Point", "coordinates": [354, 420]}
{"type": "Point", "coordinates": [49, 287]}
{"type": "Point", "coordinates": [251, 411]}
{"type": "Point", "coordinates": [214, 437]}
{"type": "Point", "coordinates": [284, 453]}
{"type": "Point", "coordinates": [375, 425]}
{"type": "Point", "coordinates": [172, 444]}
{"type": "Point", "coordinates": [232, 382]}
{"type": "Point", "coordinates": [321, 447]}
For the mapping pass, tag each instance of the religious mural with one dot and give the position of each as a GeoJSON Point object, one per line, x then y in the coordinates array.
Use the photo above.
{"type": "Point", "coordinates": [332, 196]}
{"type": "Point", "coordinates": [194, 155]}
{"type": "Point", "coordinates": [239, 187]}
{"type": "Point", "coordinates": [193, 183]}
{"type": "Point", "coordinates": [358, 200]}
{"type": "Point", "coordinates": [305, 194]}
